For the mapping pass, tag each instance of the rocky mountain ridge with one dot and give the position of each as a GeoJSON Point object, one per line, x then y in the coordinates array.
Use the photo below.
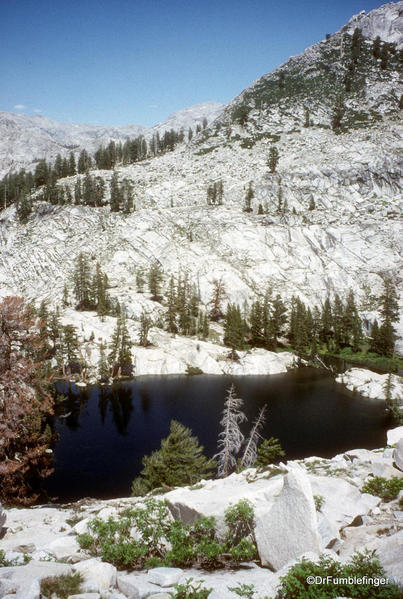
{"type": "Point", "coordinates": [326, 220]}
{"type": "Point", "coordinates": [26, 139]}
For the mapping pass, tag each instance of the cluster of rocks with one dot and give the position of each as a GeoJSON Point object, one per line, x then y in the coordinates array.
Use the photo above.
{"type": "Point", "coordinates": [302, 508]}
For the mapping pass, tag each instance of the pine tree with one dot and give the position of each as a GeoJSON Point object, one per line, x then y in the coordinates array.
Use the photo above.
{"type": "Point", "coordinates": [155, 281]}
{"type": "Point", "coordinates": [82, 283]}
{"type": "Point", "coordinates": [376, 47]}
{"type": "Point", "coordinates": [206, 326]}
{"type": "Point", "coordinates": [231, 438]}
{"type": "Point", "coordinates": [103, 366]}
{"type": "Point", "coordinates": [116, 194]}
{"type": "Point", "coordinates": [384, 56]}
{"type": "Point", "coordinates": [124, 353]}
{"type": "Point", "coordinates": [356, 43]}
{"type": "Point", "coordinates": [338, 113]}
{"type": "Point", "coordinates": [145, 325]}
{"type": "Point", "coordinates": [140, 280]}
{"type": "Point", "coordinates": [326, 331]}
{"type": "Point", "coordinates": [273, 158]}
{"type": "Point", "coordinates": [269, 451]}
{"type": "Point", "coordinates": [375, 342]}
{"type": "Point", "coordinates": [24, 208]}
{"type": "Point", "coordinates": [65, 300]}
{"type": "Point", "coordinates": [171, 314]}
{"type": "Point", "coordinates": [256, 319]}
{"type": "Point", "coordinates": [72, 164]}
{"type": "Point", "coordinates": [248, 198]}
{"type": "Point", "coordinates": [179, 461]}
{"type": "Point", "coordinates": [234, 329]}
{"type": "Point", "coordinates": [217, 299]}
{"type": "Point", "coordinates": [389, 314]}
{"type": "Point", "coordinates": [339, 332]}
{"type": "Point", "coordinates": [114, 345]}
{"type": "Point", "coordinates": [70, 346]}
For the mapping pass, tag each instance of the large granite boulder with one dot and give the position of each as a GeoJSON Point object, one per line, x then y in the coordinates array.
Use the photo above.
{"type": "Point", "coordinates": [394, 435]}
{"type": "Point", "coordinates": [288, 527]}
{"type": "Point", "coordinates": [398, 454]}
{"type": "Point", "coordinates": [98, 576]}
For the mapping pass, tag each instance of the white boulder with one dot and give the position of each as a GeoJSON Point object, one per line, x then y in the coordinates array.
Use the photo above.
{"type": "Point", "coordinates": [398, 454]}
{"type": "Point", "coordinates": [98, 576]}
{"type": "Point", "coordinates": [289, 526]}
{"type": "Point", "coordinates": [394, 435]}
{"type": "Point", "coordinates": [62, 547]}
{"type": "Point", "coordinates": [164, 577]}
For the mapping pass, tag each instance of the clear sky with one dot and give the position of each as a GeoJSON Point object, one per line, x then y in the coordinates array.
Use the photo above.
{"type": "Point", "coordinates": [113, 62]}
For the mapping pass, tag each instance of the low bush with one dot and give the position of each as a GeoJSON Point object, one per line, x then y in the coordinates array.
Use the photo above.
{"type": "Point", "coordinates": [307, 579]}
{"type": "Point", "coordinates": [388, 489]}
{"type": "Point", "coordinates": [146, 536]}
{"type": "Point", "coordinates": [190, 590]}
{"type": "Point", "coordinates": [61, 586]}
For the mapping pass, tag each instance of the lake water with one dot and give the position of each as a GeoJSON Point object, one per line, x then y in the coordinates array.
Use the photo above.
{"type": "Point", "coordinates": [109, 429]}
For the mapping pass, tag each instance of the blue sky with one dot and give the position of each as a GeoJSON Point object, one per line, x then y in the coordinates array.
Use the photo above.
{"type": "Point", "coordinates": [137, 61]}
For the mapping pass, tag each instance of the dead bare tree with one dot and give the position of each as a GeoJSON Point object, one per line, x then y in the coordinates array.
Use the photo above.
{"type": "Point", "coordinates": [250, 452]}
{"type": "Point", "coordinates": [231, 438]}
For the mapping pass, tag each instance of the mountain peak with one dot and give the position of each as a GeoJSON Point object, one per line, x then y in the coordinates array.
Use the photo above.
{"type": "Point", "coordinates": [385, 22]}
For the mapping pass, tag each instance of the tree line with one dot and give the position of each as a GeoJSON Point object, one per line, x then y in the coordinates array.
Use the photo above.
{"type": "Point", "coordinates": [17, 188]}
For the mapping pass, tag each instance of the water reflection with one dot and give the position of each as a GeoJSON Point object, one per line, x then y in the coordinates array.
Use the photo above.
{"type": "Point", "coordinates": [105, 431]}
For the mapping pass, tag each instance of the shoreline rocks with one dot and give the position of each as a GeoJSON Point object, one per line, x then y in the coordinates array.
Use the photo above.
{"type": "Point", "coordinates": [304, 507]}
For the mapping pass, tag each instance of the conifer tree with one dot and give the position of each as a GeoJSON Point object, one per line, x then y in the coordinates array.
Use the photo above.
{"type": "Point", "coordinates": [124, 353]}
{"type": "Point", "coordinates": [145, 325]}
{"type": "Point", "coordinates": [70, 346]}
{"type": "Point", "coordinates": [339, 332]}
{"type": "Point", "coordinates": [206, 326]}
{"type": "Point", "coordinates": [256, 325]}
{"type": "Point", "coordinates": [116, 195]}
{"type": "Point", "coordinates": [248, 198]}
{"type": "Point", "coordinates": [24, 208]}
{"type": "Point", "coordinates": [273, 158]}
{"type": "Point", "coordinates": [82, 283]}
{"type": "Point", "coordinates": [72, 164]}
{"type": "Point", "coordinates": [269, 451]}
{"type": "Point", "coordinates": [155, 281]}
{"type": "Point", "coordinates": [234, 328]}
{"type": "Point", "coordinates": [103, 366]}
{"type": "Point", "coordinates": [115, 343]}
{"type": "Point", "coordinates": [231, 438]}
{"type": "Point", "coordinates": [326, 331]}
{"type": "Point", "coordinates": [140, 280]}
{"type": "Point", "coordinates": [171, 314]}
{"type": "Point", "coordinates": [65, 300]}
{"type": "Point", "coordinates": [389, 314]}
{"type": "Point", "coordinates": [217, 299]}
{"type": "Point", "coordinates": [179, 461]}
{"type": "Point", "coordinates": [375, 342]}
{"type": "Point", "coordinates": [77, 192]}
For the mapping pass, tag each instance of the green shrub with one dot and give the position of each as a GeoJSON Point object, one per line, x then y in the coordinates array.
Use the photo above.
{"type": "Point", "coordinates": [190, 590]}
{"type": "Point", "coordinates": [62, 586]}
{"type": "Point", "coordinates": [269, 452]}
{"type": "Point", "coordinates": [192, 370]}
{"type": "Point", "coordinates": [162, 541]}
{"type": "Point", "coordinates": [388, 489]}
{"type": "Point", "coordinates": [294, 584]}
{"type": "Point", "coordinates": [319, 501]}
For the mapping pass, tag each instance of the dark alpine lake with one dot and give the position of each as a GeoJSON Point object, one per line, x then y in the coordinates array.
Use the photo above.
{"type": "Point", "coordinates": [105, 431]}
